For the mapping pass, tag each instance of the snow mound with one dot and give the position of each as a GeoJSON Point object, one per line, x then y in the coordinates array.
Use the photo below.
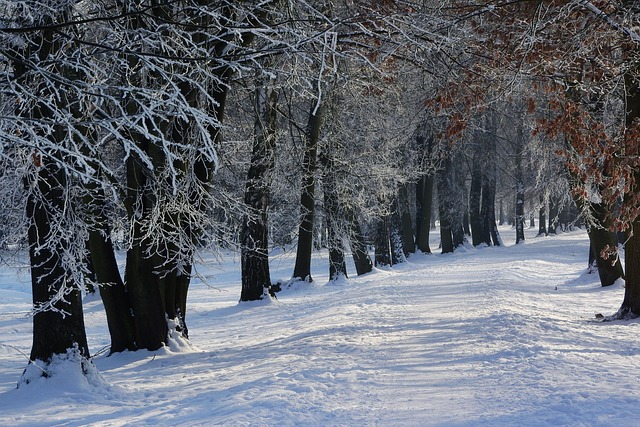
{"type": "Point", "coordinates": [69, 373]}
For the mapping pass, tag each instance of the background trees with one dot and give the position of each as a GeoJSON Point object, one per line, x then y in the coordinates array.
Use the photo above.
{"type": "Point", "coordinates": [343, 116]}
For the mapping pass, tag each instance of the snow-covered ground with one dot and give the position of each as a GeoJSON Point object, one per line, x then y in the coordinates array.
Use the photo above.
{"type": "Point", "coordinates": [484, 337]}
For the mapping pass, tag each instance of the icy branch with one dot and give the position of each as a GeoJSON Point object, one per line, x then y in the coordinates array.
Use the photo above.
{"type": "Point", "coordinates": [602, 15]}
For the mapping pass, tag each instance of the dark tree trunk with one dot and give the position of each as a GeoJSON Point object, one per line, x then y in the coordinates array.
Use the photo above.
{"type": "Point", "coordinates": [542, 222]}
{"type": "Point", "coordinates": [519, 213]}
{"type": "Point", "coordinates": [532, 220]}
{"type": "Point", "coordinates": [256, 278]}
{"type": "Point", "coordinates": [302, 268]}
{"type": "Point", "coordinates": [488, 227]}
{"type": "Point", "coordinates": [601, 243]}
{"type": "Point", "coordinates": [554, 213]}
{"type": "Point", "coordinates": [112, 290]}
{"type": "Point", "coordinates": [337, 263]}
{"type": "Point", "coordinates": [334, 217]}
{"type": "Point", "coordinates": [486, 213]}
{"type": "Point", "coordinates": [424, 206]}
{"type": "Point", "coordinates": [406, 222]}
{"type": "Point", "coordinates": [445, 206]}
{"type": "Point", "coordinates": [58, 323]}
{"type": "Point", "coordinates": [144, 291]}
{"type": "Point", "coordinates": [446, 238]}
{"type": "Point", "coordinates": [457, 231]}
{"type": "Point", "coordinates": [361, 257]}
{"type": "Point", "coordinates": [395, 235]}
{"type": "Point", "coordinates": [465, 223]}
{"type": "Point", "coordinates": [383, 255]}
{"type": "Point", "coordinates": [459, 203]}
{"type": "Point", "coordinates": [475, 193]}
{"type": "Point", "coordinates": [424, 193]}
{"type": "Point", "coordinates": [519, 186]}
{"type": "Point", "coordinates": [631, 302]}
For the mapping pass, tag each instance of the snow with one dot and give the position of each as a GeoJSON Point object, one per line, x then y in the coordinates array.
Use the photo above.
{"type": "Point", "coordinates": [483, 337]}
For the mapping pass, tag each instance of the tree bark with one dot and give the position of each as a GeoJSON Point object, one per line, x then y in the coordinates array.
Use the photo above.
{"type": "Point", "coordinates": [256, 278]}
{"type": "Point", "coordinates": [554, 215]}
{"type": "Point", "coordinates": [601, 240]}
{"type": "Point", "coordinates": [475, 192]}
{"type": "Point", "coordinates": [519, 185]}
{"type": "Point", "coordinates": [302, 268]}
{"type": "Point", "coordinates": [631, 303]}
{"type": "Point", "coordinates": [144, 291]}
{"type": "Point", "coordinates": [424, 206]}
{"type": "Point", "coordinates": [542, 222]}
{"type": "Point", "coordinates": [333, 215]}
{"type": "Point", "coordinates": [58, 322]}
{"type": "Point", "coordinates": [395, 234]}
{"type": "Point", "coordinates": [406, 222]}
{"type": "Point", "coordinates": [361, 257]}
{"type": "Point", "coordinates": [337, 263]}
{"type": "Point", "coordinates": [111, 286]}
{"type": "Point", "coordinates": [383, 256]}
{"type": "Point", "coordinates": [532, 219]}
{"type": "Point", "coordinates": [445, 206]}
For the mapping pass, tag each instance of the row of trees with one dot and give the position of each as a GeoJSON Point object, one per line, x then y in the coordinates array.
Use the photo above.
{"type": "Point", "coordinates": [173, 127]}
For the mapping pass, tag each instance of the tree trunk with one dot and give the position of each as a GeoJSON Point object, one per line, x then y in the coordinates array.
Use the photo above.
{"type": "Point", "coordinates": [359, 251]}
{"type": "Point", "coordinates": [600, 240]}
{"type": "Point", "coordinates": [256, 278]}
{"type": "Point", "coordinates": [395, 234]}
{"type": "Point", "coordinates": [475, 192]}
{"type": "Point", "coordinates": [489, 229]}
{"type": "Point", "coordinates": [554, 214]}
{"type": "Point", "coordinates": [406, 223]}
{"type": "Point", "coordinates": [337, 263]}
{"type": "Point", "coordinates": [424, 206]}
{"type": "Point", "coordinates": [144, 291]}
{"type": "Point", "coordinates": [112, 289]}
{"type": "Point", "coordinates": [383, 255]}
{"type": "Point", "coordinates": [58, 322]}
{"type": "Point", "coordinates": [631, 303]}
{"type": "Point", "coordinates": [302, 268]}
{"type": "Point", "coordinates": [532, 220]}
{"type": "Point", "coordinates": [542, 222]}
{"type": "Point", "coordinates": [333, 216]}
{"type": "Point", "coordinates": [488, 212]}
{"type": "Point", "coordinates": [445, 206]}
{"type": "Point", "coordinates": [459, 203]}
{"type": "Point", "coordinates": [519, 186]}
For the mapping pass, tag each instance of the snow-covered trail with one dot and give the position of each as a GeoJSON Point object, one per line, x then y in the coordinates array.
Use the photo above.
{"type": "Point", "coordinates": [493, 336]}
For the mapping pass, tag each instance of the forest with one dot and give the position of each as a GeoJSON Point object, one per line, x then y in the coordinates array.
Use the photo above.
{"type": "Point", "coordinates": [138, 138]}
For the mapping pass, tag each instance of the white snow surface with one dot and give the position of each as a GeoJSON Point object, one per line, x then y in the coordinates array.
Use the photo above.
{"type": "Point", "coordinates": [499, 336]}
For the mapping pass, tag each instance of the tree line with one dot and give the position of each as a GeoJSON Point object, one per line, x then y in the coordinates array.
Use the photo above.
{"type": "Point", "coordinates": [167, 128]}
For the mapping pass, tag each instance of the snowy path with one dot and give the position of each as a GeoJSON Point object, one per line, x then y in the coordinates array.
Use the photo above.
{"type": "Point", "coordinates": [495, 336]}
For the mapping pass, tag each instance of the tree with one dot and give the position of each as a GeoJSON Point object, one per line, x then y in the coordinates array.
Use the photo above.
{"type": "Point", "coordinates": [142, 140]}
{"type": "Point", "coordinates": [519, 182]}
{"type": "Point", "coordinates": [255, 241]}
{"type": "Point", "coordinates": [581, 50]}
{"type": "Point", "coordinates": [39, 62]}
{"type": "Point", "coordinates": [450, 204]}
{"type": "Point", "coordinates": [302, 268]}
